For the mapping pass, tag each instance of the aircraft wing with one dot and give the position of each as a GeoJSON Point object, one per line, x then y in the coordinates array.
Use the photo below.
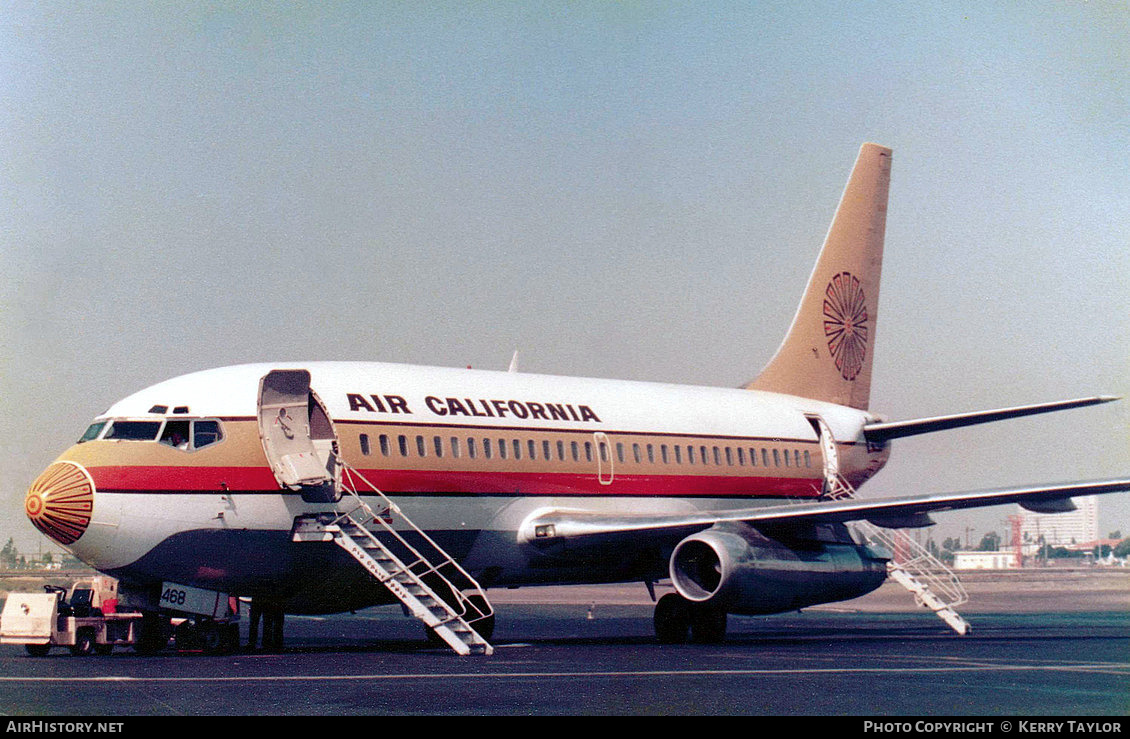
{"type": "Point", "coordinates": [578, 527]}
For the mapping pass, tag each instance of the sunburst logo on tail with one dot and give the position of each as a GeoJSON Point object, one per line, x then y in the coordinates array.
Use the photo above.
{"type": "Point", "coordinates": [845, 323]}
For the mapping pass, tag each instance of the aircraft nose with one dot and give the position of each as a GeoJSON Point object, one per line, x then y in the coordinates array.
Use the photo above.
{"type": "Point", "coordinates": [60, 501]}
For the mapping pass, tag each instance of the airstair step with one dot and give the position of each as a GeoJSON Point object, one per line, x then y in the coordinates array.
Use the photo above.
{"type": "Point", "coordinates": [932, 583]}
{"type": "Point", "coordinates": [347, 530]}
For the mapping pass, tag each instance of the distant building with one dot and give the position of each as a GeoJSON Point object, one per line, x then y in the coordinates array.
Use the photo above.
{"type": "Point", "coordinates": [1062, 529]}
{"type": "Point", "coordinates": [1002, 560]}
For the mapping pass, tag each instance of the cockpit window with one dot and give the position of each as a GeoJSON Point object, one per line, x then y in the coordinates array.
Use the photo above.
{"type": "Point", "coordinates": [176, 434]}
{"type": "Point", "coordinates": [93, 431]}
{"type": "Point", "coordinates": [205, 433]}
{"type": "Point", "coordinates": [186, 434]}
{"type": "Point", "coordinates": [134, 430]}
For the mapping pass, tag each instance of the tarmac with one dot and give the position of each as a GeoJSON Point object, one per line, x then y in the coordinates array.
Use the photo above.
{"type": "Point", "coordinates": [1034, 651]}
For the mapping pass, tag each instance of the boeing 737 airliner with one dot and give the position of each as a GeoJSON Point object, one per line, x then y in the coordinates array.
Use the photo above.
{"type": "Point", "coordinates": [318, 487]}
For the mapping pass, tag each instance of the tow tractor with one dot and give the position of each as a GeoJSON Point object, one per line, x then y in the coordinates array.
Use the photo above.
{"type": "Point", "coordinates": [87, 619]}
{"type": "Point", "coordinates": [84, 619]}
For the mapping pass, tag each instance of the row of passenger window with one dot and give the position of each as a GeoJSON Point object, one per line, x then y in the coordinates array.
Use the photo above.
{"type": "Point", "coordinates": [577, 451]}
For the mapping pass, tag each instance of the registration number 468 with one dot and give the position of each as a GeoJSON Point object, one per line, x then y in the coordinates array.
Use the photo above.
{"type": "Point", "coordinates": [187, 599]}
{"type": "Point", "coordinates": [172, 597]}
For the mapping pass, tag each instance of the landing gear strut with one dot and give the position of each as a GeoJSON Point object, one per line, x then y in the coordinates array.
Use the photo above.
{"type": "Point", "coordinates": [678, 620]}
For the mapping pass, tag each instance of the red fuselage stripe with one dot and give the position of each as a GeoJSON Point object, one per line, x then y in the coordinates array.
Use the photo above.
{"type": "Point", "coordinates": [158, 479]}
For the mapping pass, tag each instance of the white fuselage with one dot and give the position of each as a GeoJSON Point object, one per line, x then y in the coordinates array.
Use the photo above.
{"type": "Point", "coordinates": [468, 455]}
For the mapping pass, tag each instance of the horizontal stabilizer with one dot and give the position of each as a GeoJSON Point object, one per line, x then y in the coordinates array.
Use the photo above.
{"type": "Point", "coordinates": [880, 432]}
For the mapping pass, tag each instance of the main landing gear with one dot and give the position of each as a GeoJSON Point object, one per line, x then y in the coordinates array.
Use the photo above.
{"type": "Point", "coordinates": [678, 620]}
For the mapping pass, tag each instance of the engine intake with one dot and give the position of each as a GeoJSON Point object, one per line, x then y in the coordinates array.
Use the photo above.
{"type": "Point", "coordinates": [745, 572]}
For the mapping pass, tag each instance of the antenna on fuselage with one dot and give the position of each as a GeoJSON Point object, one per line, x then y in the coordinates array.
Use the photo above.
{"type": "Point", "coordinates": [513, 362]}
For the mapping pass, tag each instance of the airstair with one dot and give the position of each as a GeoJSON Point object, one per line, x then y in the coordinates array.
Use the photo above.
{"type": "Point", "coordinates": [933, 585]}
{"type": "Point", "coordinates": [399, 555]}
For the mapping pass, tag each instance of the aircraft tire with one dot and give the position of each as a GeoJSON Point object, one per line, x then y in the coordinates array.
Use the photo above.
{"type": "Point", "coordinates": [708, 624]}
{"type": "Point", "coordinates": [672, 619]}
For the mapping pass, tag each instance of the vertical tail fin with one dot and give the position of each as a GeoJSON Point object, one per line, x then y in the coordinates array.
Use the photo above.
{"type": "Point", "coordinates": [828, 350]}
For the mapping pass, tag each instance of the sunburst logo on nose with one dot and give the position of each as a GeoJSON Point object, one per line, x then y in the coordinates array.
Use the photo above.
{"type": "Point", "coordinates": [60, 500]}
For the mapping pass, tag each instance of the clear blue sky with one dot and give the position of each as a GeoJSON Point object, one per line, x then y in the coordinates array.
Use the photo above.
{"type": "Point", "coordinates": [616, 189]}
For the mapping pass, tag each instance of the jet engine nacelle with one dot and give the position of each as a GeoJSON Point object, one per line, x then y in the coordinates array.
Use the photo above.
{"type": "Point", "coordinates": [745, 572]}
